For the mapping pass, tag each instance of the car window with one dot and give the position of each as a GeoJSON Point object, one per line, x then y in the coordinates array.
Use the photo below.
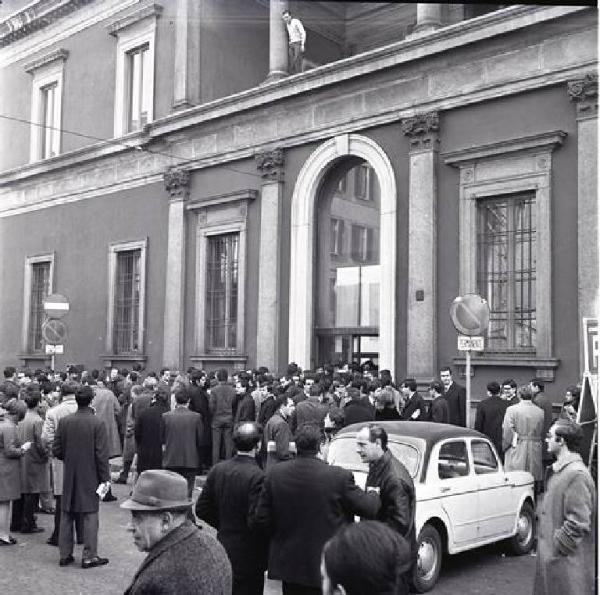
{"type": "Point", "coordinates": [342, 452]}
{"type": "Point", "coordinates": [484, 459]}
{"type": "Point", "coordinates": [453, 460]}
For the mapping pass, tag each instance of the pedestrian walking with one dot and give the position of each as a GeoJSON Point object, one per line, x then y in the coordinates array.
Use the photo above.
{"type": "Point", "coordinates": [304, 501]}
{"type": "Point", "coordinates": [227, 500]}
{"type": "Point", "coordinates": [456, 396]}
{"type": "Point", "coordinates": [566, 556]}
{"type": "Point", "coordinates": [296, 42]}
{"type": "Point", "coordinates": [82, 444]}
{"type": "Point", "coordinates": [181, 558]}
{"type": "Point", "coordinates": [365, 558]}
{"type": "Point", "coordinates": [522, 430]}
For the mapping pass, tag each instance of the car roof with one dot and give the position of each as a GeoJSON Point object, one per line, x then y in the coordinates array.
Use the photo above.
{"type": "Point", "coordinates": [429, 431]}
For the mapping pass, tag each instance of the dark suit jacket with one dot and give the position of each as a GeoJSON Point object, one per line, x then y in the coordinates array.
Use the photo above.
{"type": "Point", "coordinates": [186, 560]}
{"type": "Point", "coordinates": [489, 418]}
{"type": "Point", "coordinates": [199, 404]}
{"type": "Point", "coordinates": [415, 403]}
{"type": "Point", "coordinates": [81, 442]}
{"type": "Point", "coordinates": [438, 410]}
{"type": "Point", "coordinates": [304, 501]}
{"type": "Point", "coordinates": [221, 400]}
{"type": "Point", "coordinates": [544, 402]}
{"type": "Point", "coordinates": [182, 436]}
{"type": "Point", "coordinates": [311, 411]}
{"type": "Point", "coordinates": [228, 502]}
{"type": "Point", "coordinates": [267, 409]}
{"type": "Point", "coordinates": [357, 411]}
{"type": "Point", "coordinates": [246, 410]}
{"type": "Point", "coordinates": [147, 432]}
{"type": "Point", "coordinates": [456, 396]}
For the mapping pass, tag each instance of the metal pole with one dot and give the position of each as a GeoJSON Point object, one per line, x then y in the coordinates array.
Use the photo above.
{"type": "Point", "coordinates": [52, 361]}
{"type": "Point", "coordinates": [468, 390]}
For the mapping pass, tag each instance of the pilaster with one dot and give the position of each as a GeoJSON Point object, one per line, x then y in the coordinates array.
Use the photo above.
{"type": "Point", "coordinates": [584, 94]}
{"type": "Point", "coordinates": [186, 84]}
{"type": "Point", "coordinates": [429, 18]}
{"type": "Point", "coordinates": [278, 41]}
{"type": "Point", "coordinates": [421, 340]}
{"type": "Point", "coordinates": [270, 164]}
{"type": "Point", "coordinates": [177, 185]}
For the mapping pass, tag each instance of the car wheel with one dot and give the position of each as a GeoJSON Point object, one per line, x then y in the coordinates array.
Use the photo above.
{"type": "Point", "coordinates": [522, 542]}
{"type": "Point", "coordinates": [429, 559]}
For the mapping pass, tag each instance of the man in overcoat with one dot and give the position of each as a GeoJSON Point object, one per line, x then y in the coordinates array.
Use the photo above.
{"type": "Point", "coordinates": [228, 500]}
{"type": "Point", "coordinates": [438, 407]}
{"type": "Point", "coordinates": [304, 501]}
{"type": "Point", "coordinates": [456, 395]}
{"type": "Point", "coordinates": [181, 558]}
{"type": "Point", "coordinates": [566, 557]}
{"type": "Point", "coordinates": [81, 443]}
{"type": "Point", "coordinates": [490, 416]}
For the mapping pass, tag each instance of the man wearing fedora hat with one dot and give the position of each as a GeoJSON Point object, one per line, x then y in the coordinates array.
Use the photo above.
{"type": "Point", "coordinates": [181, 557]}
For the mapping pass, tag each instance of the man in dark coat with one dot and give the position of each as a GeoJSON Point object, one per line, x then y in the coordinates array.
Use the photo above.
{"type": "Point", "coordinates": [438, 407]}
{"type": "Point", "coordinates": [199, 404]}
{"type": "Point", "coordinates": [222, 398]}
{"type": "Point", "coordinates": [544, 402]}
{"type": "Point", "coordinates": [414, 406]}
{"type": "Point", "coordinates": [81, 443]}
{"type": "Point", "coordinates": [147, 431]}
{"type": "Point", "coordinates": [490, 416]}
{"type": "Point", "coordinates": [227, 502]}
{"type": "Point", "coordinates": [390, 478]}
{"type": "Point", "coordinates": [182, 436]}
{"type": "Point", "coordinates": [181, 558]}
{"type": "Point", "coordinates": [246, 409]}
{"type": "Point", "coordinates": [278, 430]}
{"type": "Point", "coordinates": [456, 396]}
{"type": "Point", "coordinates": [303, 503]}
{"type": "Point", "coordinates": [312, 410]}
{"type": "Point", "coordinates": [358, 408]}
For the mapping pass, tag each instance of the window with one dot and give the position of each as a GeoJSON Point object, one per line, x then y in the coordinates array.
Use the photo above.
{"type": "Point", "coordinates": [363, 244]}
{"type": "Point", "coordinates": [222, 292]}
{"type": "Point", "coordinates": [134, 84]}
{"type": "Point", "coordinates": [507, 269]}
{"type": "Point", "coordinates": [46, 104]}
{"type": "Point", "coordinates": [453, 460]}
{"type": "Point", "coordinates": [484, 459]}
{"type": "Point", "coordinates": [363, 179]}
{"type": "Point", "coordinates": [127, 302]}
{"type": "Point", "coordinates": [139, 96]}
{"type": "Point", "coordinates": [127, 276]}
{"type": "Point", "coordinates": [337, 237]}
{"type": "Point", "coordinates": [39, 271]}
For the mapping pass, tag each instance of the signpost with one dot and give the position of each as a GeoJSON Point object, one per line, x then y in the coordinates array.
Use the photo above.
{"type": "Point", "coordinates": [54, 330]}
{"type": "Point", "coordinates": [470, 315]}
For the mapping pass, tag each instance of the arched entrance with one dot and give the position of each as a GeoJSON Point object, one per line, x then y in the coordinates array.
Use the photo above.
{"type": "Point", "coordinates": [303, 244]}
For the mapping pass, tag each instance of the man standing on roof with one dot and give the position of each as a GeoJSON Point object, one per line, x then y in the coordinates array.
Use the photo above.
{"type": "Point", "coordinates": [297, 41]}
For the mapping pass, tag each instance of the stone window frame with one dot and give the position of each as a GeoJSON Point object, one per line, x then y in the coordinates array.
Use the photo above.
{"type": "Point", "coordinates": [132, 32]}
{"type": "Point", "coordinates": [113, 250]}
{"type": "Point", "coordinates": [46, 70]}
{"type": "Point", "coordinates": [27, 278]}
{"type": "Point", "coordinates": [204, 230]}
{"type": "Point", "coordinates": [513, 166]}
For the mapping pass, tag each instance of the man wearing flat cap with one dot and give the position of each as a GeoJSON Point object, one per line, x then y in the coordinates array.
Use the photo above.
{"type": "Point", "coordinates": [181, 557]}
{"type": "Point", "coordinates": [227, 502]}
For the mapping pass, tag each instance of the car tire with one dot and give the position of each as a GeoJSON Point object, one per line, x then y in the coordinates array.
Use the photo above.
{"type": "Point", "coordinates": [429, 559]}
{"type": "Point", "coordinates": [522, 542]}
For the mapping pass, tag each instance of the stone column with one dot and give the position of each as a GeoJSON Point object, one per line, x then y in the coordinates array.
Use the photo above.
{"type": "Point", "coordinates": [177, 184]}
{"type": "Point", "coordinates": [278, 41]}
{"type": "Point", "coordinates": [584, 93]}
{"type": "Point", "coordinates": [186, 84]}
{"type": "Point", "coordinates": [421, 339]}
{"type": "Point", "coordinates": [270, 164]}
{"type": "Point", "coordinates": [429, 18]}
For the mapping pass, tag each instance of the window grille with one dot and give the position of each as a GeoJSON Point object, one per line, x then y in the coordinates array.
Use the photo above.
{"type": "Point", "coordinates": [506, 272]}
{"type": "Point", "coordinates": [40, 289]}
{"type": "Point", "coordinates": [126, 328]}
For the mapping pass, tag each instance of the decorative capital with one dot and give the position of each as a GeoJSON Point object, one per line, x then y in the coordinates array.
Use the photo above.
{"type": "Point", "coordinates": [422, 130]}
{"type": "Point", "coordinates": [270, 164]}
{"type": "Point", "coordinates": [177, 183]}
{"type": "Point", "coordinates": [584, 93]}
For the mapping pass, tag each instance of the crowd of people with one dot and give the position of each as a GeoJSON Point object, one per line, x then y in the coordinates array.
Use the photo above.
{"type": "Point", "coordinates": [58, 432]}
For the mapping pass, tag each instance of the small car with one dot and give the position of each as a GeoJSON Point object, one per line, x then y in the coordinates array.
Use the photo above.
{"type": "Point", "coordinates": [464, 498]}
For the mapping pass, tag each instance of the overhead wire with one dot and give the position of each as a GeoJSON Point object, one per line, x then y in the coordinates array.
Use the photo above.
{"type": "Point", "coordinates": [116, 142]}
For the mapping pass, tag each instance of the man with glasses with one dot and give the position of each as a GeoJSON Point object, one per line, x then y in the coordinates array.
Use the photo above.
{"type": "Point", "coordinates": [509, 392]}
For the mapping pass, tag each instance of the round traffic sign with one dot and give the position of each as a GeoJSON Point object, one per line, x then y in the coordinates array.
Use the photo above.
{"type": "Point", "coordinates": [56, 305]}
{"type": "Point", "coordinates": [470, 314]}
{"type": "Point", "coordinates": [54, 331]}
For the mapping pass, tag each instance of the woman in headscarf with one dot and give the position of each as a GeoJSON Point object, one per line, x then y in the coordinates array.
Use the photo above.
{"type": "Point", "coordinates": [11, 451]}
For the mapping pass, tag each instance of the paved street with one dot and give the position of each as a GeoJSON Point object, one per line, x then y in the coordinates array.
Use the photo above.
{"type": "Point", "coordinates": [34, 565]}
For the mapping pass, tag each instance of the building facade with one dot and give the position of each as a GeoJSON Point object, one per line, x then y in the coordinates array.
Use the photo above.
{"type": "Point", "coordinates": [198, 206]}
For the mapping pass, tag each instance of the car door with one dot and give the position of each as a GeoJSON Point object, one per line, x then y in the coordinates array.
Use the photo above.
{"type": "Point", "coordinates": [457, 488]}
{"type": "Point", "coordinates": [496, 510]}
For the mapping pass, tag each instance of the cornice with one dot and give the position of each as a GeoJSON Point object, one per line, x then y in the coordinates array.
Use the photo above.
{"type": "Point", "coordinates": [229, 197]}
{"type": "Point", "coordinates": [546, 140]}
{"type": "Point", "coordinates": [60, 54]}
{"type": "Point", "coordinates": [35, 17]}
{"type": "Point", "coordinates": [144, 12]}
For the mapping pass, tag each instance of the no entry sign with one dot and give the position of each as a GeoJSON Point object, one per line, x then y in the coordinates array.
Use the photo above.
{"type": "Point", "coordinates": [56, 305]}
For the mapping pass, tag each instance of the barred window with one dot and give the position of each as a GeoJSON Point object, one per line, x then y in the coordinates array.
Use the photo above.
{"type": "Point", "coordinates": [40, 289]}
{"type": "Point", "coordinates": [222, 292]}
{"type": "Point", "coordinates": [126, 325]}
{"type": "Point", "coordinates": [506, 272]}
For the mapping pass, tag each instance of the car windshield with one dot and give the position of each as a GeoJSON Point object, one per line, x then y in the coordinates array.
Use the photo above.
{"type": "Point", "coordinates": [342, 452]}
